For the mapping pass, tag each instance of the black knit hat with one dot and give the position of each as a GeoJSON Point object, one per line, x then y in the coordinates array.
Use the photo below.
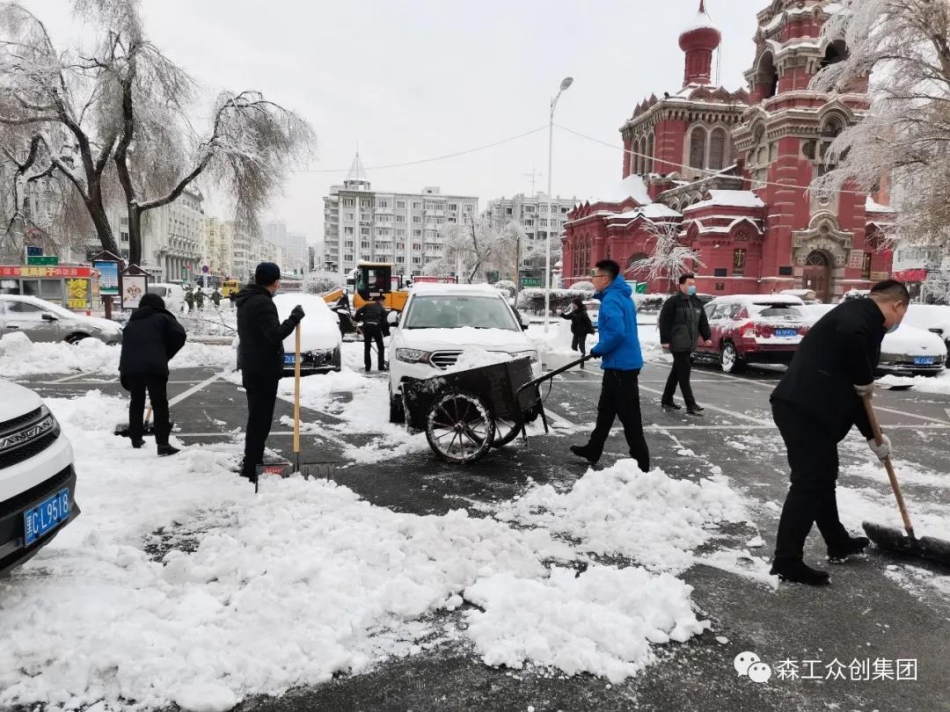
{"type": "Point", "coordinates": [266, 274]}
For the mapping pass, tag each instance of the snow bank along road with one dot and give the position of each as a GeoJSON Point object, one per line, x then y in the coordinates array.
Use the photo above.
{"type": "Point", "coordinates": [528, 581]}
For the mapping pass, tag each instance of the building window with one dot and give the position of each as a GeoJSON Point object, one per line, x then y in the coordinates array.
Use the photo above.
{"type": "Point", "coordinates": [650, 148]}
{"type": "Point", "coordinates": [697, 148]}
{"type": "Point", "coordinates": [416, 246]}
{"type": "Point", "coordinates": [738, 263]}
{"type": "Point", "coordinates": [866, 266]}
{"type": "Point", "coordinates": [717, 150]}
{"type": "Point", "coordinates": [347, 216]}
{"type": "Point", "coordinates": [364, 231]}
{"type": "Point", "coordinates": [348, 231]}
{"type": "Point", "coordinates": [348, 244]}
{"type": "Point", "coordinates": [400, 218]}
{"type": "Point", "coordinates": [453, 206]}
{"type": "Point", "coordinates": [416, 219]}
{"type": "Point", "coordinates": [417, 233]}
{"type": "Point", "coordinates": [400, 204]}
{"type": "Point", "coordinates": [383, 204]}
{"type": "Point", "coordinates": [347, 202]}
{"type": "Point", "coordinates": [364, 245]}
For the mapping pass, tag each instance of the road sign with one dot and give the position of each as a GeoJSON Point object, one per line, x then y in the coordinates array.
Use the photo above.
{"type": "Point", "coordinates": [641, 288]}
{"type": "Point", "coordinates": [530, 282]}
{"type": "Point", "coordinates": [46, 261]}
{"type": "Point", "coordinates": [33, 251]}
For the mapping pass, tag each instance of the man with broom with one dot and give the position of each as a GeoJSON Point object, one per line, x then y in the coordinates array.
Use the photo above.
{"type": "Point", "coordinates": [817, 402]}
{"type": "Point", "coordinates": [261, 348]}
{"type": "Point", "coordinates": [149, 341]}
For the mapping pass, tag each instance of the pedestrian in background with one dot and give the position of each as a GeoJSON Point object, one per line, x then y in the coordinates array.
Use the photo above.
{"type": "Point", "coordinates": [375, 325]}
{"type": "Point", "coordinates": [261, 351]}
{"type": "Point", "coordinates": [622, 360]}
{"type": "Point", "coordinates": [200, 299]}
{"type": "Point", "coordinates": [682, 323]}
{"type": "Point", "coordinates": [190, 299]}
{"type": "Point", "coordinates": [150, 339]}
{"type": "Point", "coordinates": [581, 326]}
{"type": "Point", "coordinates": [216, 298]}
{"type": "Point", "coordinates": [815, 405]}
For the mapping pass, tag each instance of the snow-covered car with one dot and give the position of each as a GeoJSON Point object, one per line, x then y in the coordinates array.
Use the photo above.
{"type": "Point", "coordinates": [40, 320]}
{"type": "Point", "coordinates": [320, 338]}
{"type": "Point", "coordinates": [443, 321]}
{"type": "Point", "coordinates": [754, 329]}
{"type": "Point", "coordinates": [37, 479]}
{"type": "Point", "coordinates": [933, 318]}
{"type": "Point", "coordinates": [172, 294]}
{"type": "Point", "coordinates": [908, 351]}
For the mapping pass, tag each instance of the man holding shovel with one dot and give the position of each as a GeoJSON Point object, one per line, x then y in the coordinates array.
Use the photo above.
{"type": "Point", "coordinates": [261, 336]}
{"type": "Point", "coordinates": [817, 402]}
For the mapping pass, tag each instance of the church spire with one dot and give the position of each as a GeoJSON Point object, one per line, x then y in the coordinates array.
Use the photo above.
{"type": "Point", "coordinates": [699, 41]}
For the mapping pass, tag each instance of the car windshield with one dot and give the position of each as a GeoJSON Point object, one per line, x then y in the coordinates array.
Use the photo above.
{"type": "Point", "coordinates": [776, 310]}
{"type": "Point", "coordinates": [452, 311]}
{"type": "Point", "coordinates": [160, 291]}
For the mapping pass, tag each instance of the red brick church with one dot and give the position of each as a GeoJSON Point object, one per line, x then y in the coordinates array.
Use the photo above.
{"type": "Point", "coordinates": [731, 170]}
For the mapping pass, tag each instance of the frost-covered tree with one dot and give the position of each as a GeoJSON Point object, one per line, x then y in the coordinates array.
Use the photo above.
{"type": "Point", "coordinates": [668, 258]}
{"type": "Point", "coordinates": [321, 282]}
{"type": "Point", "coordinates": [113, 120]}
{"type": "Point", "coordinates": [475, 247]}
{"type": "Point", "coordinates": [904, 45]}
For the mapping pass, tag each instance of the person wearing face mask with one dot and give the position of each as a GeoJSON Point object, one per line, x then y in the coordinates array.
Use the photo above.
{"type": "Point", "coordinates": [815, 405]}
{"type": "Point", "coordinates": [682, 323]}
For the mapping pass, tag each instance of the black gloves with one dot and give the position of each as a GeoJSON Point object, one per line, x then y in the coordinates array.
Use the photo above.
{"type": "Point", "coordinates": [297, 314]}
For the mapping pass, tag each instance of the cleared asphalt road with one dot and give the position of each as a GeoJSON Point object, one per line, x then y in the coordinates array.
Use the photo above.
{"type": "Point", "coordinates": [865, 614]}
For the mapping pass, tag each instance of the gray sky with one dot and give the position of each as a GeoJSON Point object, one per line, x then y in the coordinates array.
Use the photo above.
{"type": "Point", "coordinates": [412, 80]}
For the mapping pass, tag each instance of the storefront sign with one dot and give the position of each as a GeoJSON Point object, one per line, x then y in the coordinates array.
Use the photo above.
{"type": "Point", "coordinates": [133, 287]}
{"type": "Point", "coordinates": [108, 278]}
{"type": "Point", "coordinates": [77, 294]}
{"type": "Point", "coordinates": [17, 271]}
{"type": "Point", "coordinates": [878, 276]}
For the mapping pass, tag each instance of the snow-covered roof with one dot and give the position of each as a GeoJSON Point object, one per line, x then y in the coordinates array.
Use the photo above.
{"type": "Point", "coordinates": [698, 21]}
{"type": "Point", "coordinates": [728, 199]}
{"type": "Point", "coordinates": [874, 207]}
{"type": "Point", "coordinates": [652, 211]}
{"type": "Point", "coordinates": [630, 187]}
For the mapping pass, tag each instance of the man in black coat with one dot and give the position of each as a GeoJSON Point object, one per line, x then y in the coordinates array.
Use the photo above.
{"type": "Point", "coordinates": [817, 402]}
{"type": "Point", "coordinates": [149, 341]}
{"type": "Point", "coordinates": [682, 322]}
{"type": "Point", "coordinates": [375, 325]}
{"type": "Point", "coordinates": [581, 326]}
{"type": "Point", "coordinates": [261, 353]}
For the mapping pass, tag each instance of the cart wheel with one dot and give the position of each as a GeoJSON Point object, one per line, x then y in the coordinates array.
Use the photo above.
{"type": "Point", "coordinates": [506, 431]}
{"type": "Point", "coordinates": [460, 428]}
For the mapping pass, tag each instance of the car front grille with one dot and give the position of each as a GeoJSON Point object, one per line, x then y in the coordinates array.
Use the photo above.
{"type": "Point", "coordinates": [445, 359]}
{"type": "Point", "coordinates": [25, 452]}
{"type": "Point", "coordinates": [8, 425]}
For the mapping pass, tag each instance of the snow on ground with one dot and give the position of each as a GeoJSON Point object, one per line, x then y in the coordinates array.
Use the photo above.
{"type": "Point", "coordinates": [922, 384]}
{"type": "Point", "coordinates": [649, 517]}
{"type": "Point", "coordinates": [249, 594]}
{"type": "Point", "coordinates": [20, 357]}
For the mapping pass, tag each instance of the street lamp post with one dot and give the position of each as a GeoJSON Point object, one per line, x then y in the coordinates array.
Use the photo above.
{"type": "Point", "coordinates": [565, 83]}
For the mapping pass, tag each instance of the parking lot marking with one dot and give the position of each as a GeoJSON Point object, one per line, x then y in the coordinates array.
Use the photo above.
{"type": "Point", "coordinates": [560, 419]}
{"type": "Point", "coordinates": [191, 391]}
{"type": "Point", "coordinates": [724, 411]}
{"type": "Point", "coordinates": [68, 378]}
{"type": "Point", "coordinates": [911, 415]}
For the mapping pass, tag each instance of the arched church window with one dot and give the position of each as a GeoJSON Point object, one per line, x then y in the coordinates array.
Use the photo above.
{"type": "Point", "coordinates": [768, 76]}
{"type": "Point", "coordinates": [717, 150]}
{"type": "Point", "coordinates": [697, 148]}
{"type": "Point", "coordinates": [650, 155]}
{"type": "Point", "coordinates": [837, 52]}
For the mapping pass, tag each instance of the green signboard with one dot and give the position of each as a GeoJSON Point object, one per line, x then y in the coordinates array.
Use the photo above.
{"type": "Point", "coordinates": [43, 260]}
{"type": "Point", "coordinates": [530, 282]}
{"type": "Point", "coordinates": [641, 288]}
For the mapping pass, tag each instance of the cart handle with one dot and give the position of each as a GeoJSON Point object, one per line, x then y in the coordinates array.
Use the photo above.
{"type": "Point", "coordinates": [552, 374]}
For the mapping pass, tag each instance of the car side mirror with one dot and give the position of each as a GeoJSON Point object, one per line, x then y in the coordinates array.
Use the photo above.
{"type": "Point", "coordinates": [50, 317]}
{"type": "Point", "coordinates": [525, 327]}
{"type": "Point", "coordinates": [393, 318]}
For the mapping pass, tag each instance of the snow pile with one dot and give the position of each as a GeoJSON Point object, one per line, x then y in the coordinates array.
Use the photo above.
{"type": "Point", "coordinates": [178, 585]}
{"type": "Point", "coordinates": [602, 621]}
{"type": "Point", "coordinates": [621, 511]}
{"type": "Point", "coordinates": [924, 384]}
{"type": "Point", "coordinates": [19, 357]}
{"type": "Point", "coordinates": [475, 358]}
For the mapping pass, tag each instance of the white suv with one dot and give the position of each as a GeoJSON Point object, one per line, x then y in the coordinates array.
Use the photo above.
{"type": "Point", "coordinates": [37, 479]}
{"type": "Point", "coordinates": [440, 322]}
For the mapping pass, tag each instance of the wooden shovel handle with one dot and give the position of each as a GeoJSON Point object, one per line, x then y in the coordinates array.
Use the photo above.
{"type": "Point", "coordinates": [879, 439]}
{"type": "Point", "coordinates": [297, 389]}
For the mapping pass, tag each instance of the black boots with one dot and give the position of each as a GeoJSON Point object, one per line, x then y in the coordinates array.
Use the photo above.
{"type": "Point", "coordinates": [797, 571]}
{"type": "Point", "coordinates": [671, 406]}
{"type": "Point", "coordinates": [166, 450]}
{"type": "Point", "coordinates": [854, 545]}
{"type": "Point", "coordinates": [584, 451]}
{"type": "Point", "coordinates": [137, 444]}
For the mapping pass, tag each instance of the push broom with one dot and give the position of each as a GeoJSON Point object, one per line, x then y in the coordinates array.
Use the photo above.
{"type": "Point", "coordinates": [894, 540]}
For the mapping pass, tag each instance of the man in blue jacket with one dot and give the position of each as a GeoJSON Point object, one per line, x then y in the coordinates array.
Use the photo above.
{"type": "Point", "coordinates": [619, 349]}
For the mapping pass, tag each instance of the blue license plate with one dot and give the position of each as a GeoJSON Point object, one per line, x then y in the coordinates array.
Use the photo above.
{"type": "Point", "coordinates": [923, 360]}
{"type": "Point", "coordinates": [46, 516]}
{"type": "Point", "coordinates": [290, 358]}
{"type": "Point", "coordinates": [786, 332]}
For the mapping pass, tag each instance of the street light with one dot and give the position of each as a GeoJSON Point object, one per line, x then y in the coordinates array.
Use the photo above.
{"type": "Point", "coordinates": [565, 84]}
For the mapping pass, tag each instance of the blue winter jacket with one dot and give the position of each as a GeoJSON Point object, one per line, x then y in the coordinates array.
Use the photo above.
{"type": "Point", "coordinates": [619, 344]}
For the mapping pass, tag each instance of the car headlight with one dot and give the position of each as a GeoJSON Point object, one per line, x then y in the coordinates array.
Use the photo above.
{"type": "Point", "coordinates": [532, 354]}
{"type": "Point", "coordinates": [412, 355]}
